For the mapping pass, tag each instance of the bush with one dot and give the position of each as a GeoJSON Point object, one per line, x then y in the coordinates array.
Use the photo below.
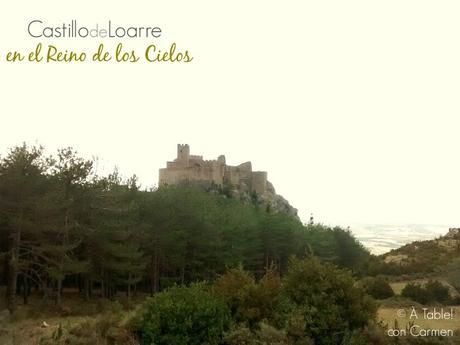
{"type": "Point", "coordinates": [265, 334]}
{"type": "Point", "coordinates": [240, 335]}
{"type": "Point", "coordinates": [248, 300]}
{"type": "Point", "coordinates": [270, 335]}
{"type": "Point", "coordinates": [437, 291]}
{"type": "Point", "coordinates": [415, 292]}
{"type": "Point", "coordinates": [434, 291]}
{"type": "Point", "coordinates": [456, 300]}
{"type": "Point", "coordinates": [327, 297]}
{"type": "Point", "coordinates": [378, 288]}
{"type": "Point", "coordinates": [183, 316]}
{"type": "Point", "coordinates": [235, 287]}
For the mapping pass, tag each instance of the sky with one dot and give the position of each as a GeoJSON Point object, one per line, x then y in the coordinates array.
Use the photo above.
{"type": "Point", "coordinates": [350, 106]}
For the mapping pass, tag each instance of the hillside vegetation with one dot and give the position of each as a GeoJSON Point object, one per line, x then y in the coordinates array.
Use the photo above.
{"type": "Point", "coordinates": [88, 259]}
{"type": "Point", "coordinates": [426, 256]}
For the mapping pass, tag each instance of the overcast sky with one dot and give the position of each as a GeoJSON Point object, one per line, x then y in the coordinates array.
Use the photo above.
{"type": "Point", "coordinates": [351, 106]}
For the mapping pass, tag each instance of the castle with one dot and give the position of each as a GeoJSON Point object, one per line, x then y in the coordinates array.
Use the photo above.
{"type": "Point", "coordinates": [191, 168]}
{"type": "Point", "coordinates": [240, 180]}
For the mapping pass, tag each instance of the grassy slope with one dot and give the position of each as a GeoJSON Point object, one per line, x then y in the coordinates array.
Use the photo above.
{"type": "Point", "coordinates": [92, 322]}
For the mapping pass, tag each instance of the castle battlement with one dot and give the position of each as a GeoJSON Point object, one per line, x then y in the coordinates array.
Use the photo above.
{"type": "Point", "coordinates": [193, 168]}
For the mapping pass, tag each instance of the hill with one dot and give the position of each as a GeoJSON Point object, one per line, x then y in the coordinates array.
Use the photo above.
{"type": "Point", "coordinates": [426, 256]}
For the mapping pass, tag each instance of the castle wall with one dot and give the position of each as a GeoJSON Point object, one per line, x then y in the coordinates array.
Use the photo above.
{"type": "Point", "coordinates": [259, 182]}
{"type": "Point", "coordinates": [179, 174]}
{"type": "Point", "coordinates": [169, 177]}
{"type": "Point", "coordinates": [190, 168]}
{"type": "Point", "coordinates": [231, 176]}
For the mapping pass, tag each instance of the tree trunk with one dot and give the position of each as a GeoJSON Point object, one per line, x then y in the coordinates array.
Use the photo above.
{"type": "Point", "coordinates": [129, 287]}
{"type": "Point", "coordinates": [13, 271]}
{"type": "Point", "coordinates": [11, 287]}
{"type": "Point", "coordinates": [45, 290]}
{"type": "Point", "coordinates": [86, 288]}
{"type": "Point", "coordinates": [102, 288]}
{"type": "Point", "coordinates": [58, 291]}
{"type": "Point", "coordinates": [25, 290]}
{"type": "Point", "coordinates": [154, 274]}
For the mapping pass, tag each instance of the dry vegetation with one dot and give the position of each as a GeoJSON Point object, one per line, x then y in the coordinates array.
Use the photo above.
{"type": "Point", "coordinates": [389, 315]}
{"type": "Point", "coordinates": [75, 322]}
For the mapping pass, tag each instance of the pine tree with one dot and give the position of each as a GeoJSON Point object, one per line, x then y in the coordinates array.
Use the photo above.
{"type": "Point", "coordinates": [21, 187]}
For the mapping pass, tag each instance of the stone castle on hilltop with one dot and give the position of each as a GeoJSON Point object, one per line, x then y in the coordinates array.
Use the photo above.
{"type": "Point", "coordinates": [190, 168]}
{"type": "Point", "coordinates": [240, 179]}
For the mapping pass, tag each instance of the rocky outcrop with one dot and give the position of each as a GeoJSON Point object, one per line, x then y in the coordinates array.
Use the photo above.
{"type": "Point", "coordinates": [268, 199]}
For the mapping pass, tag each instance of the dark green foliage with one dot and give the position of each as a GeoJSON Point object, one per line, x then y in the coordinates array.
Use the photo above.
{"type": "Point", "coordinates": [433, 291]}
{"type": "Point", "coordinates": [328, 300]}
{"type": "Point", "coordinates": [415, 292]}
{"type": "Point", "coordinates": [350, 252]}
{"type": "Point", "coordinates": [248, 300]}
{"type": "Point", "coordinates": [61, 226]}
{"type": "Point", "coordinates": [378, 287]}
{"type": "Point", "coordinates": [22, 183]}
{"type": "Point", "coordinates": [437, 291]}
{"type": "Point", "coordinates": [337, 246]}
{"type": "Point", "coordinates": [315, 303]}
{"type": "Point", "coordinates": [184, 316]}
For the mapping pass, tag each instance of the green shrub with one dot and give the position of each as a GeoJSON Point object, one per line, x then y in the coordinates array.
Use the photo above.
{"type": "Point", "coordinates": [183, 316]}
{"type": "Point", "coordinates": [456, 300]}
{"type": "Point", "coordinates": [270, 335]}
{"type": "Point", "coordinates": [434, 291]}
{"type": "Point", "coordinates": [437, 291]}
{"type": "Point", "coordinates": [248, 300]}
{"type": "Point", "coordinates": [378, 288]}
{"type": "Point", "coordinates": [415, 292]}
{"type": "Point", "coordinates": [331, 304]}
{"type": "Point", "coordinates": [235, 287]}
{"type": "Point", "coordinates": [240, 335]}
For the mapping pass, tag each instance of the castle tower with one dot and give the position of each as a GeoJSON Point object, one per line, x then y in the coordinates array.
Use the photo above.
{"type": "Point", "coordinates": [221, 159]}
{"type": "Point", "coordinates": [259, 182]}
{"type": "Point", "coordinates": [183, 154]}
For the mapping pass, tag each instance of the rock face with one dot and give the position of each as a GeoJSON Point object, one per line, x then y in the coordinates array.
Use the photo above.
{"type": "Point", "coordinates": [238, 181]}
